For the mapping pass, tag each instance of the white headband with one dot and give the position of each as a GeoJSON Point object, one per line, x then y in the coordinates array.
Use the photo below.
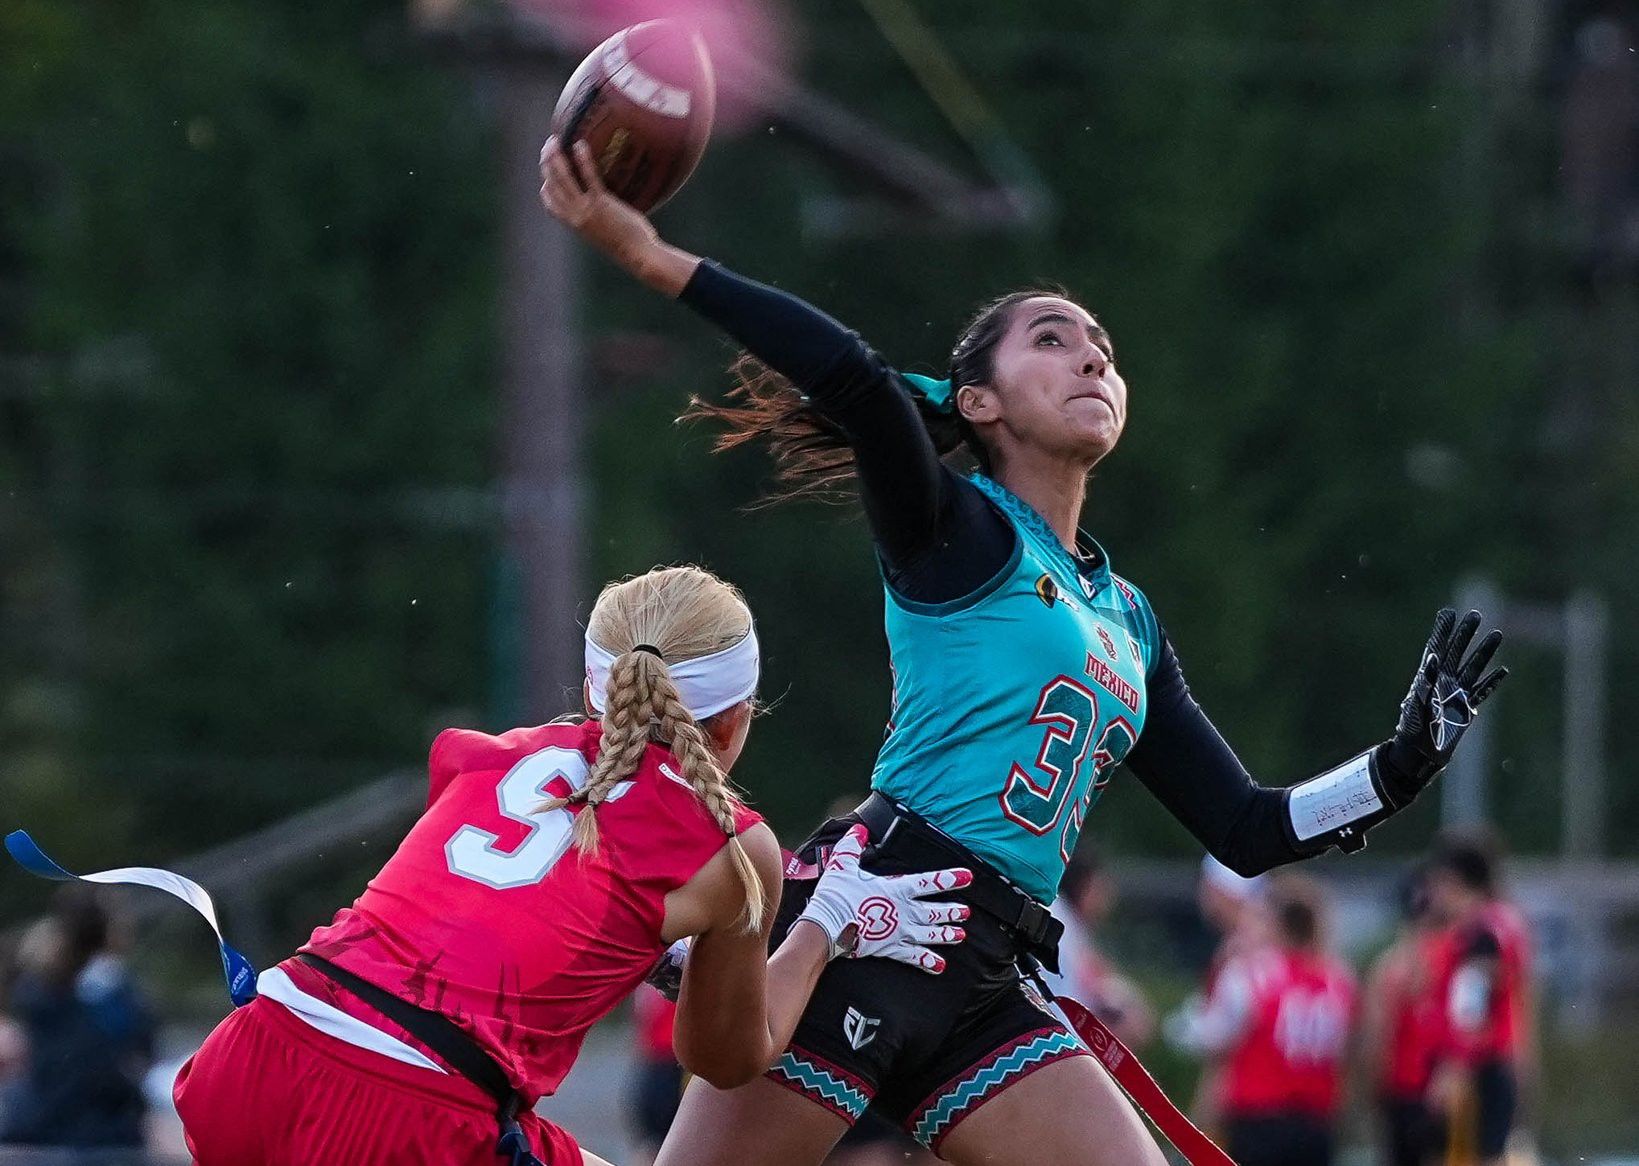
{"type": "Point", "coordinates": [707, 684]}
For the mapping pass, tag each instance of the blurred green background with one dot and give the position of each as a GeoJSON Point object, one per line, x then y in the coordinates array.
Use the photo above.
{"type": "Point", "coordinates": [1358, 261]}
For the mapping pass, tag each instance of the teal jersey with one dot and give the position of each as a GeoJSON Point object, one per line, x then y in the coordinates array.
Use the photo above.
{"type": "Point", "coordinates": [1013, 705]}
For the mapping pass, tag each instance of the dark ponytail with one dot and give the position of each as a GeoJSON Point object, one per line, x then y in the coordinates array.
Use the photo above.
{"type": "Point", "coordinates": [812, 457]}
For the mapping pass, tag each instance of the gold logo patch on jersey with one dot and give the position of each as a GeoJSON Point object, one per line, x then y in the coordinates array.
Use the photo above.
{"type": "Point", "coordinates": [1047, 591]}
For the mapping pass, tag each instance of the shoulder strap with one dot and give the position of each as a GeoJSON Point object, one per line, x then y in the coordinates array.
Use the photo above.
{"type": "Point", "coordinates": [438, 1032]}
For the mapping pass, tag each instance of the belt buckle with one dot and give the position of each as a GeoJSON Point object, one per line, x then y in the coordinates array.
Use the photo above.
{"type": "Point", "coordinates": [1033, 920]}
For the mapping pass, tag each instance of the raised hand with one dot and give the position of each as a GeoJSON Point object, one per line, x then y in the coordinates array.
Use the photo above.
{"type": "Point", "coordinates": [574, 194]}
{"type": "Point", "coordinates": [1447, 690]}
{"type": "Point", "coordinates": [863, 914]}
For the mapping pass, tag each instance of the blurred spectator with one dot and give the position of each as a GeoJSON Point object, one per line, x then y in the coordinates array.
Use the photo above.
{"type": "Point", "coordinates": [1232, 906]}
{"type": "Point", "coordinates": [1086, 897]}
{"type": "Point", "coordinates": [89, 1034]}
{"type": "Point", "coordinates": [658, 1085]}
{"type": "Point", "coordinates": [1278, 1023]}
{"type": "Point", "coordinates": [1402, 1027]}
{"type": "Point", "coordinates": [1483, 987]}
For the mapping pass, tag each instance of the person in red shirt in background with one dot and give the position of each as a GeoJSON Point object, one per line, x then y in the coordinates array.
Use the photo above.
{"type": "Point", "coordinates": [1402, 1027]}
{"type": "Point", "coordinates": [657, 1084]}
{"type": "Point", "coordinates": [1482, 988]}
{"type": "Point", "coordinates": [1086, 897]}
{"type": "Point", "coordinates": [549, 873]}
{"type": "Point", "coordinates": [1279, 1023]}
{"type": "Point", "coordinates": [1233, 907]}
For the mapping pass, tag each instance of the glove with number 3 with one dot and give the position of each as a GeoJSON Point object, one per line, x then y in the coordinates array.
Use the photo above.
{"type": "Point", "coordinates": [863, 914]}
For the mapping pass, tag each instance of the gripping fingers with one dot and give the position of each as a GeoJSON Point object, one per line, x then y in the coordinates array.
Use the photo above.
{"type": "Point", "coordinates": [916, 942]}
{"type": "Point", "coordinates": [936, 913]}
{"type": "Point", "coordinates": [586, 169]}
{"type": "Point", "coordinates": [926, 960]}
{"type": "Point", "coordinates": [559, 175]}
{"type": "Point", "coordinates": [934, 882]}
{"type": "Point", "coordinates": [845, 854]}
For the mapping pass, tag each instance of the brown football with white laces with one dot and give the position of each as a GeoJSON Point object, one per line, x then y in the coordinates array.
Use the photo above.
{"type": "Point", "coordinates": [643, 101]}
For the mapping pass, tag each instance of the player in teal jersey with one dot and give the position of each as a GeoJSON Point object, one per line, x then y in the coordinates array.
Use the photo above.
{"type": "Point", "coordinates": [1025, 670]}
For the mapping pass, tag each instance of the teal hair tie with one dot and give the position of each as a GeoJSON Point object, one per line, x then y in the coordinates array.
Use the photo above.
{"type": "Point", "coordinates": [934, 392]}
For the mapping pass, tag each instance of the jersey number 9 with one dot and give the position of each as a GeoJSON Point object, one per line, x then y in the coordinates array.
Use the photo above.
{"type": "Point", "coordinates": [474, 852]}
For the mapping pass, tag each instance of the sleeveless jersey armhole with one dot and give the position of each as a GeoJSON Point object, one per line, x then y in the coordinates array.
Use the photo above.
{"type": "Point", "coordinates": [972, 599]}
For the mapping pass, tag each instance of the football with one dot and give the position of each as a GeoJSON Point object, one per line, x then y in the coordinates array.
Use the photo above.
{"type": "Point", "coordinates": [643, 101]}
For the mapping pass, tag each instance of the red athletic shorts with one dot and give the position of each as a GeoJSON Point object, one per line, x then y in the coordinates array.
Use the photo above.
{"type": "Point", "coordinates": [267, 1089]}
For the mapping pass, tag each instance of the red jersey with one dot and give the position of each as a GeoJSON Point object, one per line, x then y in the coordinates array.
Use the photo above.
{"type": "Point", "coordinates": [487, 915]}
{"type": "Point", "coordinates": [1483, 970]}
{"type": "Point", "coordinates": [1290, 1056]}
{"type": "Point", "coordinates": [1414, 1023]}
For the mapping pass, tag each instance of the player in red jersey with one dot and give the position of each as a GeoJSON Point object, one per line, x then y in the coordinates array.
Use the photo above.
{"type": "Point", "coordinates": [1403, 1025]}
{"type": "Point", "coordinates": [1482, 989]}
{"type": "Point", "coordinates": [1280, 1020]}
{"type": "Point", "coordinates": [483, 924]}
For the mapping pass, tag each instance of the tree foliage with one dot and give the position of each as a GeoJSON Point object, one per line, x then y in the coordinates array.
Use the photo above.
{"type": "Point", "coordinates": [250, 327]}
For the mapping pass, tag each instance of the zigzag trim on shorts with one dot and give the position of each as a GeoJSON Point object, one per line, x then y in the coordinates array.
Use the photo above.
{"type": "Point", "coordinates": [822, 1082]}
{"type": "Point", "coordinates": [959, 1097]}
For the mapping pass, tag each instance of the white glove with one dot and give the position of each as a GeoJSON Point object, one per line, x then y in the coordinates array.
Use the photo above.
{"type": "Point", "coordinates": [863, 914]}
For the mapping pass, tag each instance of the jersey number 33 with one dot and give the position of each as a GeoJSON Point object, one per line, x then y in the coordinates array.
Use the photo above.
{"type": "Point", "coordinates": [1037, 798]}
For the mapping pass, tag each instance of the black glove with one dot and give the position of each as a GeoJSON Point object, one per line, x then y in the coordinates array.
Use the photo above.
{"type": "Point", "coordinates": [1446, 694]}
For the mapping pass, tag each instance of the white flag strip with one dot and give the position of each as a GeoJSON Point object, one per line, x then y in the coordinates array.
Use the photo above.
{"type": "Point", "coordinates": [236, 969]}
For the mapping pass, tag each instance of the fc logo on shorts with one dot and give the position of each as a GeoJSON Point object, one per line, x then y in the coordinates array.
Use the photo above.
{"type": "Point", "coordinates": [859, 1028]}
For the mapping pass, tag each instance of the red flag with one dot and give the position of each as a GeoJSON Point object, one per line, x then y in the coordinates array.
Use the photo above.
{"type": "Point", "coordinates": [1135, 1080]}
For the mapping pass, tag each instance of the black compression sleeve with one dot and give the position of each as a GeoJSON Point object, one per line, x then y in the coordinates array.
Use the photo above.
{"type": "Point", "coordinates": [938, 536]}
{"type": "Point", "coordinates": [1181, 759]}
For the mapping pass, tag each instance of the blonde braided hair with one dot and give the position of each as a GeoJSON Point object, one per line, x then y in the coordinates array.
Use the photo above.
{"type": "Point", "coordinates": [680, 612]}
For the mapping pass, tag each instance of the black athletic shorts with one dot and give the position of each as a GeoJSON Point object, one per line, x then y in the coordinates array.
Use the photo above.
{"type": "Point", "coordinates": [1496, 1095]}
{"type": "Point", "coordinates": [656, 1092]}
{"type": "Point", "coordinates": [923, 1051]}
{"type": "Point", "coordinates": [1496, 1103]}
{"type": "Point", "coordinates": [1412, 1133]}
{"type": "Point", "coordinates": [1279, 1139]}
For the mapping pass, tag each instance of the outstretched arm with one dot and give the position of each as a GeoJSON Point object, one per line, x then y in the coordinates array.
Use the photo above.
{"type": "Point", "coordinates": [1181, 758]}
{"type": "Point", "coordinates": [911, 499]}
